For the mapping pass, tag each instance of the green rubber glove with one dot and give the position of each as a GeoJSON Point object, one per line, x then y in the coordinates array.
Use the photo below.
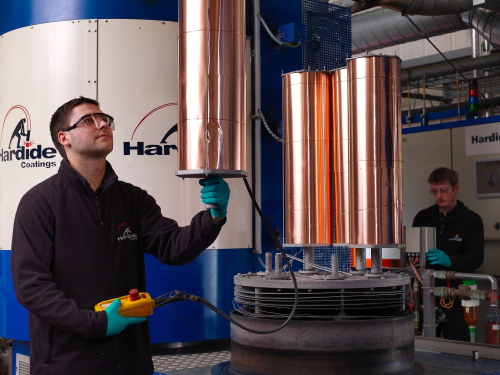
{"type": "Point", "coordinates": [116, 322]}
{"type": "Point", "coordinates": [436, 256]}
{"type": "Point", "coordinates": [215, 191]}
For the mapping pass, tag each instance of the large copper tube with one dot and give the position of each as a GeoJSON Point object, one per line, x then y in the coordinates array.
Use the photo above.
{"type": "Point", "coordinates": [308, 158]}
{"type": "Point", "coordinates": [212, 87]}
{"type": "Point", "coordinates": [340, 112]}
{"type": "Point", "coordinates": [375, 182]}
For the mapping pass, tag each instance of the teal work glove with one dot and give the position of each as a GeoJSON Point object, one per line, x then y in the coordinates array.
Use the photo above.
{"type": "Point", "coordinates": [436, 256]}
{"type": "Point", "coordinates": [215, 191]}
{"type": "Point", "coordinates": [116, 322]}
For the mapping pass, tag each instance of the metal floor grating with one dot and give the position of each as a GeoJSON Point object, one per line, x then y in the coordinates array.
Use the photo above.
{"type": "Point", "coordinates": [174, 362]}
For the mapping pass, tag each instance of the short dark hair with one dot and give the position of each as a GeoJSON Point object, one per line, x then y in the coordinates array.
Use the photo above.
{"type": "Point", "coordinates": [60, 120]}
{"type": "Point", "coordinates": [441, 175]}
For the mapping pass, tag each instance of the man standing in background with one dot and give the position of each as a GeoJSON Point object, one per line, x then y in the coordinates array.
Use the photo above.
{"type": "Point", "coordinates": [459, 242]}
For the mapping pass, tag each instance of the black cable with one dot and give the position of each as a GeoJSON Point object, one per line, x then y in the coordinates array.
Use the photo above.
{"type": "Point", "coordinates": [182, 296]}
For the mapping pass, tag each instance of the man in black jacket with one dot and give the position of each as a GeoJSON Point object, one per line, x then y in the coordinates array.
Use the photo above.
{"type": "Point", "coordinates": [79, 238]}
{"type": "Point", "coordinates": [460, 244]}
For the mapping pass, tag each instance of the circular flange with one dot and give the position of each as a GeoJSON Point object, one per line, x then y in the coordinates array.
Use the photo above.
{"type": "Point", "coordinates": [374, 275]}
{"type": "Point", "coordinates": [203, 173]}
{"type": "Point", "coordinates": [308, 282]}
{"type": "Point", "coordinates": [308, 272]}
{"type": "Point", "coordinates": [354, 272]}
{"type": "Point", "coordinates": [334, 277]}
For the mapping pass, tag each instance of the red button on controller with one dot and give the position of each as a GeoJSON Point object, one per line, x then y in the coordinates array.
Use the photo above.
{"type": "Point", "coordinates": [134, 295]}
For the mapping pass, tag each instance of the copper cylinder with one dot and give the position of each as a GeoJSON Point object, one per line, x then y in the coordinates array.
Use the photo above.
{"type": "Point", "coordinates": [340, 118]}
{"type": "Point", "coordinates": [308, 158]}
{"type": "Point", "coordinates": [375, 170]}
{"type": "Point", "coordinates": [212, 87]}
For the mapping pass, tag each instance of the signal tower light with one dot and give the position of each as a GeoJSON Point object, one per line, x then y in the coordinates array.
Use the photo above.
{"type": "Point", "coordinates": [473, 99]}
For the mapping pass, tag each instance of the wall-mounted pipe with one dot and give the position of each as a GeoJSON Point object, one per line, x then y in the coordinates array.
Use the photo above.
{"type": "Point", "coordinates": [444, 68]}
{"type": "Point", "coordinates": [493, 317]}
{"type": "Point", "coordinates": [257, 126]}
{"type": "Point", "coordinates": [481, 104]}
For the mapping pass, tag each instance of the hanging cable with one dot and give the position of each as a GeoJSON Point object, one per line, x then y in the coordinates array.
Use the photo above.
{"type": "Point", "coordinates": [176, 296]}
{"type": "Point", "coordinates": [278, 139]}
{"type": "Point", "coordinates": [273, 37]}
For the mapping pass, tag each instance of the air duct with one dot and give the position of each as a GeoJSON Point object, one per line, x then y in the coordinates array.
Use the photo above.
{"type": "Point", "coordinates": [486, 22]}
{"type": "Point", "coordinates": [385, 28]}
{"type": "Point", "coordinates": [430, 7]}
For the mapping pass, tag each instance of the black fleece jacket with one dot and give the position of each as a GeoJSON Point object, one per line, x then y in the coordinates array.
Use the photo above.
{"type": "Point", "coordinates": [73, 248]}
{"type": "Point", "coordinates": [460, 234]}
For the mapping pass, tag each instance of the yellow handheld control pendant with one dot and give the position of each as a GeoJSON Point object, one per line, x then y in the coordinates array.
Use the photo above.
{"type": "Point", "coordinates": [134, 305]}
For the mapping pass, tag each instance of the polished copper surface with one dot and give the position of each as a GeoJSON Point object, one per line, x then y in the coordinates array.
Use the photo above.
{"type": "Point", "coordinates": [340, 112]}
{"type": "Point", "coordinates": [308, 158]}
{"type": "Point", "coordinates": [375, 183]}
{"type": "Point", "coordinates": [212, 85]}
{"type": "Point", "coordinates": [377, 226]}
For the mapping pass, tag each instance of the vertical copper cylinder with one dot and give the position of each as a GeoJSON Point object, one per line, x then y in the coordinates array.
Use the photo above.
{"type": "Point", "coordinates": [375, 173]}
{"type": "Point", "coordinates": [340, 119]}
{"type": "Point", "coordinates": [212, 86]}
{"type": "Point", "coordinates": [308, 158]}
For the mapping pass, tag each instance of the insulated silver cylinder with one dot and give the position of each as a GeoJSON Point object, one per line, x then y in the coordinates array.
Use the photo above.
{"type": "Point", "coordinates": [360, 259]}
{"type": "Point", "coordinates": [309, 258]}
{"type": "Point", "coordinates": [335, 265]}
{"type": "Point", "coordinates": [376, 260]}
{"type": "Point", "coordinates": [277, 266]}
{"type": "Point", "coordinates": [269, 263]}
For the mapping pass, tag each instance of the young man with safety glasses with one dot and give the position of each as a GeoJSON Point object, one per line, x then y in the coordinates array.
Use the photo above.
{"type": "Point", "coordinates": [67, 254]}
{"type": "Point", "coordinates": [459, 242]}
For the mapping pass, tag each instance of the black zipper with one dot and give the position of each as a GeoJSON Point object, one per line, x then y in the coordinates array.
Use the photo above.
{"type": "Point", "coordinates": [101, 226]}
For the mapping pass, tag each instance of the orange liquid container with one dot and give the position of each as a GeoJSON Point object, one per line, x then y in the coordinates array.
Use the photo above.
{"type": "Point", "coordinates": [470, 315]}
{"type": "Point", "coordinates": [493, 333]}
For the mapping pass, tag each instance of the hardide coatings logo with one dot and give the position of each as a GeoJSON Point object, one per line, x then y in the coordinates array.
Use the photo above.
{"type": "Point", "coordinates": [126, 233]}
{"type": "Point", "coordinates": [455, 237]}
{"type": "Point", "coordinates": [20, 146]}
{"type": "Point", "coordinates": [138, 148]}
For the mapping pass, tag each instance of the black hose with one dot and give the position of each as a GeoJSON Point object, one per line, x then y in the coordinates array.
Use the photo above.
{"type": "Point", "coordinates": [182, 296]}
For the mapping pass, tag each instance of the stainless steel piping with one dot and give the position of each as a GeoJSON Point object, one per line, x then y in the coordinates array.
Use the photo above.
{"type": "Point", "coordinates": [459, 275]}
{"type": "Point", "coordinates": [486, 22]}
{"type": "Point", "coordinates": [444, 68]}
{"type": "Point", "coordinates": [257, 126]}
{"type": "Point", "coordinates": [385, 28]}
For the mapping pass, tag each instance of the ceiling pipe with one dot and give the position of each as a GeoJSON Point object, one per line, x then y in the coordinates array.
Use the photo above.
{"type": "Point", "coordinates": [430, 7]}
{"type": "Point", "coordinates": [385, 28]}
{"type": "Point", "coordinates": [444, 68]}
{"type": "Point", "coordinates": [484, 103]}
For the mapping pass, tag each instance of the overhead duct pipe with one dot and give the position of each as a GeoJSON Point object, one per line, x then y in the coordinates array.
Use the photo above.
{"type": "Point", "coordinates": [385, 28]}
{"type": "Point", "coordinates": [430, 7]}
{"type": "Point", "coordinates": [486, 22]}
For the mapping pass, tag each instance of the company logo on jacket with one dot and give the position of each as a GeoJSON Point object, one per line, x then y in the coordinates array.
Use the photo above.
{"type": "Point", "coordinates": [20, 146]}
{"type": "Point", "coordinates": [455, 237]}
{"type": "Point", "coordinates": [127, 234]}
{"type": "Point", "coordinates": [138, 148]}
